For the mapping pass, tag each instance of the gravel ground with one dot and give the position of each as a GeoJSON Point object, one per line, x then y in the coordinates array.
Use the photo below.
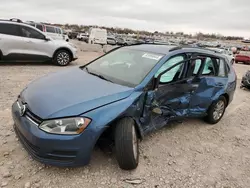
{"type": "Point", "coordinates": [188, 154]}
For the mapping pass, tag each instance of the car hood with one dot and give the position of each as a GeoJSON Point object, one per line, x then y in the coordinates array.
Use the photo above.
{"type": "Point", "coordinates": [70, 92]}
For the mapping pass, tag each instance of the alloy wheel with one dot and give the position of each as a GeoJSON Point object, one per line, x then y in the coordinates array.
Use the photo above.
{"type": "Point", "coordinates": [218, 110]}
{"type": "Point", "coordinates": [63, 58]}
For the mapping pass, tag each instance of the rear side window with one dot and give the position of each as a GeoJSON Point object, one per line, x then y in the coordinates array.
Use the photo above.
{"type": "Point", "coordinates": [210, 68]}
{"type": "Point", "coordinates": [227, 68]}
{"type": "Point", "coordinates": [40, 27]}
{"type": "Point", "coordinates": [214, 67]}
{"type": "Point", "coordinates": [10, 29]}
{"type": "Point", "coordinates": [222, 68]}
{"type": "Point", "coordinates": [59, 30]}
{"type": "Point", "coordinates": [50, 29]}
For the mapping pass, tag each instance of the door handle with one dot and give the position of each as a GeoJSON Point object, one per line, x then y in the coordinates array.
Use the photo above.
{"type": "Point", "coordinates": [29, 41]}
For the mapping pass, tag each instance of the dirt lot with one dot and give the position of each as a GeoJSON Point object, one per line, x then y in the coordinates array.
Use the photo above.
{"type": "Point", "coordinates": [188, 154]}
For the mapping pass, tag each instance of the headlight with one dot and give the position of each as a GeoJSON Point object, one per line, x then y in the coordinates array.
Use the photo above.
{"type": "Point", "coordinates": [65, 126]}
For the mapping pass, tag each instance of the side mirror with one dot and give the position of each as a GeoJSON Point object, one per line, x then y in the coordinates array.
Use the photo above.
{"type": "Point", "coordinates": [46, 38]}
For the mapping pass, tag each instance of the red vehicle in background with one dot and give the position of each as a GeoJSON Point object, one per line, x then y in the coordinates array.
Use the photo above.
{"type": "Point", "coordinates": [243, 56]}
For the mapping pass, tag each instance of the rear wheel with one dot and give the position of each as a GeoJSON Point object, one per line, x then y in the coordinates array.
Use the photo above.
{"type": "Point", "coordinates": [126, 144]}
{"type": "Point", "coordinates": [216, 111]}
{"type": "Point", "coordinates": [62, 58]}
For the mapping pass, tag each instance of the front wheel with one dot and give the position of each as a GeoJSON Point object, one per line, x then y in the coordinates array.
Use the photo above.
{"type": "Point", "coordinates": [216, 111]}
{"type": "Point", "coordinates": [126, 144]}
{"type": "Point", "coordinates": [62, 58]}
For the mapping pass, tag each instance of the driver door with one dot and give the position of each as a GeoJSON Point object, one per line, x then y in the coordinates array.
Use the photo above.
{"type": "Point", "coordinates": [35, 47]}
{"type": "Point", "coordinates": [171, 98]}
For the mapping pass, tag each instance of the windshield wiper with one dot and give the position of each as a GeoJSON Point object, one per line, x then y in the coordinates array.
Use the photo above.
{"type": "Point", "coordinates": [98, 75]}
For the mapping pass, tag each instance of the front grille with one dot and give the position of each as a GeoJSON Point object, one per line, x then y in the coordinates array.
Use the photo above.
{"type": "Point", "coordinates": [36, 119]}
{"type": "Point", "coordinates": [33, 117]}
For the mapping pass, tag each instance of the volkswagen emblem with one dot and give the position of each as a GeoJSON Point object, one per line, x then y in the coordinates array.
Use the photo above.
{"type": "Point", "coordinates": [22, 108]}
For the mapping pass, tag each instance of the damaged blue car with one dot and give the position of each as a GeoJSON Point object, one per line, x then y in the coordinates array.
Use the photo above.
{"type": "Point", "coordinates": [123, 95]}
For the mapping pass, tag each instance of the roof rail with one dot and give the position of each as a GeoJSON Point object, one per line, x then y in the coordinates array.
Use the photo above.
{"type": "Point", "coordinates": [16, 20]}
{"type": "Point", "coordinates": [188, 46]}
{"type": "Point", "coordinates": [175, 48]}
{"type": "Point", "coordinates": [150, 43]}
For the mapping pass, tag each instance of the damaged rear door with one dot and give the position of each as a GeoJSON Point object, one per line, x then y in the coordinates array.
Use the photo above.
{"type": "Point", "coordinates": [171, 95]}
{"type": "Point", "coordinates": [213, 79]}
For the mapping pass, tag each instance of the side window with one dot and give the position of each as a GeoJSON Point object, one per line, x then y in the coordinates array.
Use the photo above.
{"type": "Point", "coordinates": [227, 69]}
{"type": "Point", "coordinates": [10, 29]}
{"type": "Point", "coordinates": [59, 31]}
{"type": "Point", "coordinates": [210, 68]}
{"type": "Point", "coordinates": [31, 33]}
{"type": "Point", "coordinates": [175, 73]}
{"type": "Point", "coordinates": [40, 27]}
{"type": "Point", "coordinates": [222, 68]}
{"type": "Point", "coordinates": [50, 29]}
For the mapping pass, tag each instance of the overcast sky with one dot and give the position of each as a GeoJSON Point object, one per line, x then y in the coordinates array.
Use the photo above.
{"type": "Point", "coordinates": [228, 17]}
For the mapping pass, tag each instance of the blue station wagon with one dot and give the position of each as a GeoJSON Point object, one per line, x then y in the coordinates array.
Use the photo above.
{"type": "Point", "coordinates": [123, 95]}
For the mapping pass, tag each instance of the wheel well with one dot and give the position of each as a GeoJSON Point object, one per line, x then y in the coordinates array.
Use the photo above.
{"type": "Point", "coordinates": [66, 49]}
{"type": "Point", "coordinates": [108, 134]}
{"type": "Point", "coordinates": [226, 96]}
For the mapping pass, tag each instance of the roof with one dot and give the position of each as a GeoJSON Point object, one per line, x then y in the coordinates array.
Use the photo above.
{"type": "Point", "coordinates": [165, 49]}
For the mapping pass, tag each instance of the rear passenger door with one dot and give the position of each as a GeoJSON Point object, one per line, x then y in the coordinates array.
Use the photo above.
{"type": "Point", "coordinates": [11, 42]}
{"type": "Point", "coordinates": [212, 78]}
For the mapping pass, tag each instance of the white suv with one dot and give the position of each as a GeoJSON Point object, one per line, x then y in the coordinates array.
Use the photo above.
{"type": "Point", "coordinates": [20, 42]}
{"type": "Point", "coordinates": [50, 30]}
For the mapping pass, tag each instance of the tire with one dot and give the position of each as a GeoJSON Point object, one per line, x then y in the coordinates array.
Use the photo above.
{"type": "Point", "coordinates": [211, 117]}
{"type": "Point", "coordinates": [236, 62]}
{"type": "Point", "coordinates": [62, 58]}
{"type": "Point", "coordinates": [126, 144]}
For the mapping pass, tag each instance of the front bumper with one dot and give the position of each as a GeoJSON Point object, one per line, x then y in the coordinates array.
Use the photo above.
{"type": "Point", "coordinates": [57, 150]}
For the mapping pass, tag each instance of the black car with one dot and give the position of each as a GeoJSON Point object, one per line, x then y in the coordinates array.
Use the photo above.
{"type": "Point", "coordinates": [245, 82]}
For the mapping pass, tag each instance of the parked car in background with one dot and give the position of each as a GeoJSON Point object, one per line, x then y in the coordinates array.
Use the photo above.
{"type": "Point", "coordinates": [111, 41]}
{"type": "Point", "coordinates": [120, 41]}
{"type": "Point", "coordinates": [83, 37]}
{"type": "Point", "coordinates": [129, 41]}
{"type": "Point", "coordinates": [98, 36]}
{"type": "Point", "coordinates": [243, 57]}
{"type": "Point", "coordinates": [72, 35]}
{"type": "Point", "coordinates": [122, 96]}
{"type": "Point", "coordinates": [245, 81]}
{"type": "Point", "coordinates": [20, 42]}
{"type": "Point", "coordinates": [52, 31]}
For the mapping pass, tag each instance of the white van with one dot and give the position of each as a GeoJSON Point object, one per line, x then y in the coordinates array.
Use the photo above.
{"type": "Point", "coordinates": [52, 31]}
{"type": "Point", "coordinates": [97, 36]}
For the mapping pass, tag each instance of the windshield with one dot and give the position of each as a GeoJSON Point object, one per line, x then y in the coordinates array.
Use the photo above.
{"type": "Point", "coordinates": [124, 66]}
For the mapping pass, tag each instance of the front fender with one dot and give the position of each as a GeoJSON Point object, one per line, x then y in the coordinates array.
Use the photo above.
{"type": "Point", "coordinates": [103, 117]}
